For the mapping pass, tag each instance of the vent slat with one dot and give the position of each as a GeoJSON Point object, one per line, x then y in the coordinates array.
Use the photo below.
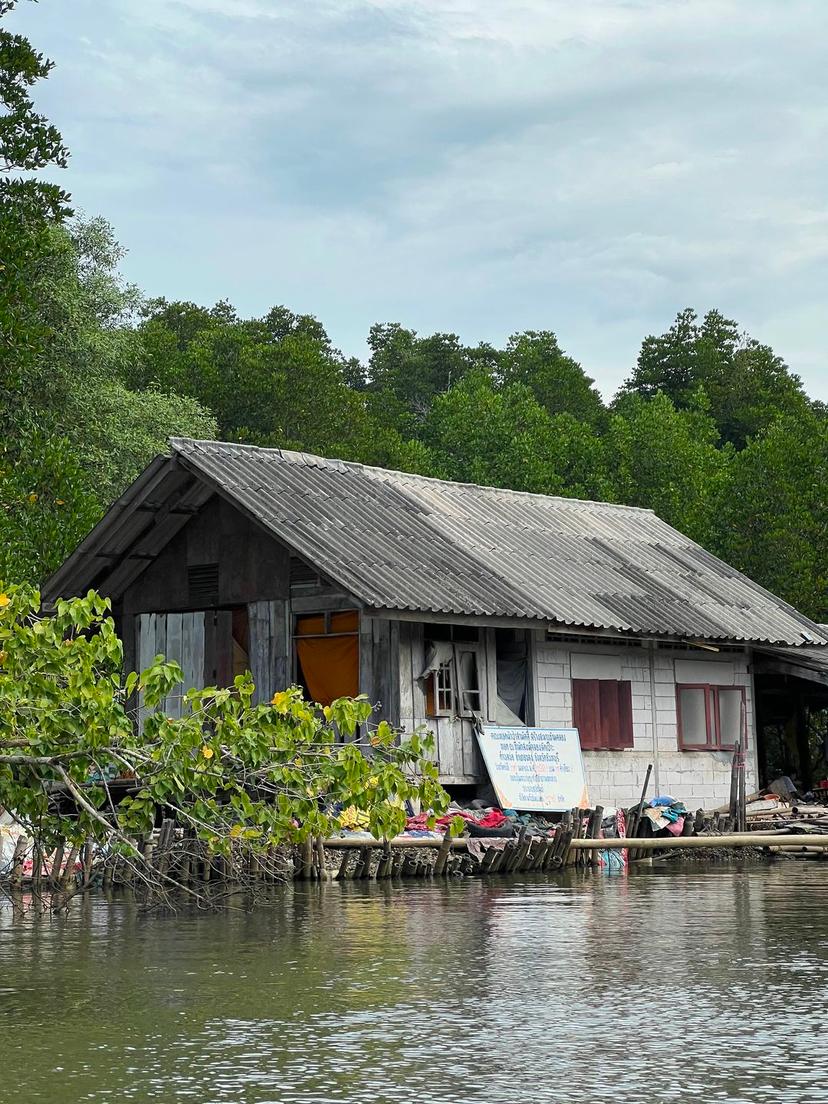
{"type": "Point", "coordinates": [302, 574]}
{"type": "Point", "coordinates": [203, 584]}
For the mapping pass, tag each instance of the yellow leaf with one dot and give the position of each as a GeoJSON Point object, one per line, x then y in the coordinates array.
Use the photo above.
{"type": "Point", "coordinates": [59, 502]}
{"type": "Point", "coordinates": [33, 497]}
{"type": "Point", "coordinates": [207, 752]}
{"type": "Point", "coordinates": [4, 600]}
{"type": "Point", "coordinates": [2, 658]}
{"type": "Point", "coordinates": [281, 699]}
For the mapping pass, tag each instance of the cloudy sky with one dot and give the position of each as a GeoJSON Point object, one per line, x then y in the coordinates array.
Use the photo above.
{"type": "Point", "coordinates": [477, 166]}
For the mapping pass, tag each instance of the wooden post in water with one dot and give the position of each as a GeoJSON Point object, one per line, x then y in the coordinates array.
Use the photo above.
{"type": "Point", "coordinates": [442, 854]}
{"type": "Point", "coordinates": [57, 865]}
{"type": "Point", "coordinates": [320, 857]}
{"type": "Point", "coordinates": [342, 873]}
{"type": "Point", "coordinates": [408, 865]}
{"type": "Point", "coordinates": [363, 867]}
{"type": "Point", "coordinates": [384, 868]}
{"type": "Point", "coordinates": [18, 859]}
{"type": "Point", "coordinates": [594, 831]}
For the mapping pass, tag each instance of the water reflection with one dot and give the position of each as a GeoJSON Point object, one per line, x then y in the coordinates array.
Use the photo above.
{"type": "Point", "coordinates": [669, 984]}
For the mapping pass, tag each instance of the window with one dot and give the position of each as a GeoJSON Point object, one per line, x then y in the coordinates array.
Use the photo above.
{"type": "Point", "coordinates": [440, 691]}
{"type": "Point", "coordinates": [451, 678]}
{"type": "Point", "coordinates": [327, 655]}
{"type": "Point", "coordinates": [512, 661]}
{"type": "Point", "coordinates": [710, 717]}
{"type": "Point", "coordinates": [602, 713]}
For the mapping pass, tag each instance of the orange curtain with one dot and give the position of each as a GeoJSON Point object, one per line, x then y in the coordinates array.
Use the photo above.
{"type": "Point", "coordinates": [330, 664]}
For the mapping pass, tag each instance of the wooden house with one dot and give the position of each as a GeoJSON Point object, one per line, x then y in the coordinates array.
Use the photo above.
{"type": "Point", "coordinates": [447, 604]}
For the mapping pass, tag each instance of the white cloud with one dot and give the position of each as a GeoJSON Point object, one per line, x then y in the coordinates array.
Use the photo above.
{"type": "Point", "coordinates": [461, 164]}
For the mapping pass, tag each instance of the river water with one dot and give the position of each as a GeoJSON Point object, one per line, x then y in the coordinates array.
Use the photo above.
{"type": "Point", "coordinates": [670, 983]}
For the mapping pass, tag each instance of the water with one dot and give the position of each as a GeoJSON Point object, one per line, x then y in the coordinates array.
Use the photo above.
{"type": "Point", "coordinates": [668, 984]}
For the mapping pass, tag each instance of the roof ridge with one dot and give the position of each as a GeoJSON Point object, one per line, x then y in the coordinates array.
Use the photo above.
{"type": "Point", "coordinates": [288, 456]}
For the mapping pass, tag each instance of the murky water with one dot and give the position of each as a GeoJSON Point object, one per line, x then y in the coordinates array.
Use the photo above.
{"type": "Point", "coordinates": [665, 985]}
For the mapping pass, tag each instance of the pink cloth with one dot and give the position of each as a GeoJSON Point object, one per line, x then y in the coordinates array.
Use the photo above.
{"type": "Point", "coordinates": [676, 827]}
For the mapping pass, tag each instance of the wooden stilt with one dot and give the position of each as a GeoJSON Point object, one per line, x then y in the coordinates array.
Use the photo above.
{"type": "Point", "coordinates": [442, 855]}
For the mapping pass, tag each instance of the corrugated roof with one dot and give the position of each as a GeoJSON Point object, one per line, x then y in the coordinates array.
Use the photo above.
{"type": "Point", "coordinates": [406, 542]}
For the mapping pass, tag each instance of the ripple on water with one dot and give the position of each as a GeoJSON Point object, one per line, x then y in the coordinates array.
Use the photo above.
{"type": "Point", "coordinates": [672, 985]}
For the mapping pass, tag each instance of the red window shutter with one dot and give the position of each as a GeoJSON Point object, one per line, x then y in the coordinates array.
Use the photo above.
{"type": "Point", "coordinates": [586, 712]}
{"type": "Point", "coordinates": [609, 713]}
{"type": "Point", "coordinates": [622, 736]}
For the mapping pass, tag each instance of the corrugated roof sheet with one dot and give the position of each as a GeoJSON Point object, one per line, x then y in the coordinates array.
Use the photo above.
{"type": "Point", "coordinates": [406, 542]}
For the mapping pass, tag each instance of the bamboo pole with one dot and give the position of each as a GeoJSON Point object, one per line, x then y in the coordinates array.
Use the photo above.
{"type": "Point", "coordinates": [734, 839]}
{"type": "Point", "coordinates": [645, 843]}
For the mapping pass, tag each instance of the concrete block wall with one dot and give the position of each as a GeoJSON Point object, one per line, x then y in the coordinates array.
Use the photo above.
{"type": "Point", "coordinates": [699, 778]}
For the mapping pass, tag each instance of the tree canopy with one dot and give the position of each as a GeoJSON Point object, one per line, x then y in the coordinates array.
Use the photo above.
{"type": "Point", "coordinates": [711, 429]}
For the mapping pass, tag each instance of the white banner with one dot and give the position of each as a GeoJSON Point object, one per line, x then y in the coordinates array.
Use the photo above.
{"type": "Point", "coordinates": [535, 769]}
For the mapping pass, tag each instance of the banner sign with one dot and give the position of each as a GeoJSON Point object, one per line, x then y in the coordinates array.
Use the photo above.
{"type": "Point", "coordinates": [535, 769]}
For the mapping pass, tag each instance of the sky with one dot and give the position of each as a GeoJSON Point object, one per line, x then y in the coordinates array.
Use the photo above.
{"type": "Point", "coordinates": [478, 167]}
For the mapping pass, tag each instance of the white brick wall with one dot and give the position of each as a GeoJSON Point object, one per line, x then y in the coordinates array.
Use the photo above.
{"type": "Point", "coordinates": [699, 778]}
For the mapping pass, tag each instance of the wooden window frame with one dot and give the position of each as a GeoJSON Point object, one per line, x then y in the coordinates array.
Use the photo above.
{"type": "Point", "coordinates": [711, 690]}
{"type": "Point", "coordinates": [457, 707]}
{"type": "Point", "coordinates": [621, 736]}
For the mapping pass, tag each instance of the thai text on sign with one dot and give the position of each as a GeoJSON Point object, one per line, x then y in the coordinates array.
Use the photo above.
{"type": "Point", "coordinates": [535, 769]}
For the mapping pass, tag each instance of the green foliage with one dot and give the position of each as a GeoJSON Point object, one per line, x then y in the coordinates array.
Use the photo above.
{"type": "Point", "coordinates": [72, 430]}
{"type": "Point", "coordinates": [27, 140]}
{"type": "Point", "coordinates": [503, 437]}
{"type": "Point", "coordinates": [747, 384]}
{"type": "Point", "coordinates": [557, 381]}
{"type": "Point", "coordinates": [413, 370]}
{"type": "Point", "coordinates": [273, 381]}
{"type": "Point", "coordinates": [46, 506]}
{"type": "Point", "coordinates": [667, 459]}
{"type": "Point", "coordinates": [773, 512]}
{"type": "Point", "coordinates": [234, 773]}
{"type": "Point", "coordinates": [27, 206]}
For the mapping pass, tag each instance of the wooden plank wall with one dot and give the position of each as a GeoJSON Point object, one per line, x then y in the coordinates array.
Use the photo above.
{"type": "Point", "coordinates": [456, 752]}
{"type": "Point", "coordinates": [270, 663]}
{"type": "Point", "coordinates": [379, 665]}
{"type": "Point", "coordinates": [176, 636]}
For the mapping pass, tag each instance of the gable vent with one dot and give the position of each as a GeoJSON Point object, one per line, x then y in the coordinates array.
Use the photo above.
{"type": "Point", "coordinates": [302, 574]}
{"type": "Point", "coordinates": [203, 584]}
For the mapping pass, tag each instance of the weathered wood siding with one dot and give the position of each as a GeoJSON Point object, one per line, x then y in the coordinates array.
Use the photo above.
{"type": "Point", "coordinates": [179, 637]}
{"type": "Point", "coordinates": [379, 665]}
{"type": "Point", "coordinates": [270, 644]}
{"type": "Point", "coordinates": [251, 565]}
{"type": "Point", "coordinates": [456, 750]}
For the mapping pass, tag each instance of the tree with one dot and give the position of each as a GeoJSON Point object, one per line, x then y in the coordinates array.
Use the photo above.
{"type": "Point", "coordinates": [238, 778]}
{"type": "Point", "coordinates": [68, 418]}
{"type": "Point", "coordinates": [747, 384]}
{"type": "Point", "coordinates": [27, 140]}
{"type": "Point", "coordinates": [47, 506]}
{"type": "Point", "coordinates": [412, 370]}
{"type": "Point", "coordinates": [27, 206]}
{"type": "Point", "coordinates": [274, 381]}
{"type": "Point", "coordinates": [558, 382]}
{"type": "Point", "coordinates": [504, 437]}
{"type": "Point", "coordinates": [667, 459]}
{"type": "Point", "coordinates": [773, 513]}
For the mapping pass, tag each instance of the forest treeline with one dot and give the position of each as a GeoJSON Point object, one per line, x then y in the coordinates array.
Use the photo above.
{"type": "Point", "coordinates": [711, 429]}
